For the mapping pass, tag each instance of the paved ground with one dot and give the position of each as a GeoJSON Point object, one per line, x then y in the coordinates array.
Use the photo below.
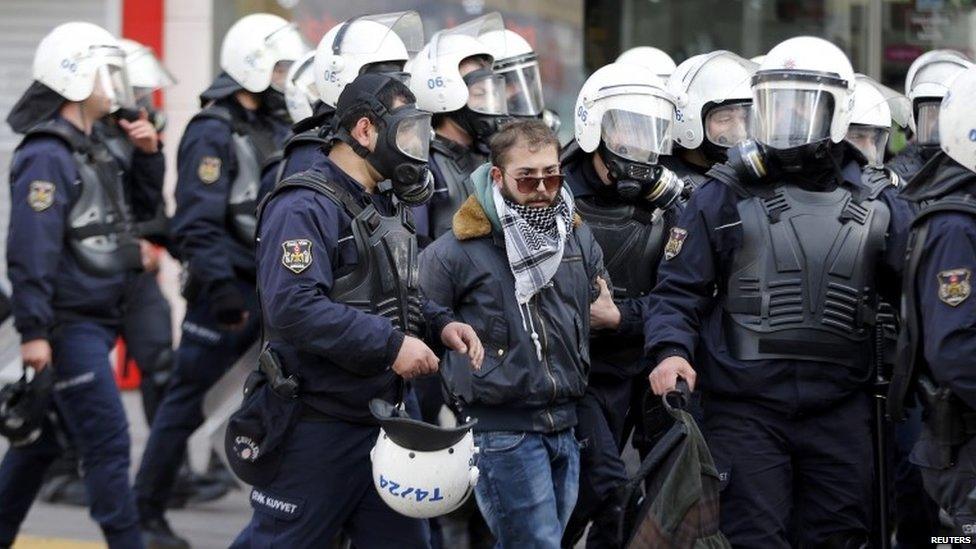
{"type": "Point", "coordinates": [209, 526]}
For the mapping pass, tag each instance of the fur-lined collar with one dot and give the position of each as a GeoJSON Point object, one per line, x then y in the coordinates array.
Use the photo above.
{"type": "Point", "coordinates": [470, 221]}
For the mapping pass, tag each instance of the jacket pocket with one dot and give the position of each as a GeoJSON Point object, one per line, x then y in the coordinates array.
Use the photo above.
{"type": "Point", "coordinates": [491, 442]}
{"type": "Point", "coordinates": [495, 341]}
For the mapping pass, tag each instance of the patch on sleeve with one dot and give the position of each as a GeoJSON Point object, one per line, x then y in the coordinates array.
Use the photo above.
{"type": "Point", "coordinates": [297, 254]}
{"type": "Point", "coordinates": [954, 286]}
{"type": "Point", "coordinates": [209, 169]}
{"type": "Point", "coordinates": [40, 195]}
{"type": "Point", "coordinates": [675, 241]}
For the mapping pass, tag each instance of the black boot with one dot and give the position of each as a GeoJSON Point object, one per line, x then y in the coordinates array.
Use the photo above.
{"type": "Point", "coordinates": [156, 534]}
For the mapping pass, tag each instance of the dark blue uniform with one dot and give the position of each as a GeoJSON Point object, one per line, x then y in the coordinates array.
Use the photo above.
{"type": "Point", "coordinates": [55, 298]}
{"type": "Point", "coordinates": [219, 264]}
{"type": "Point", "coordinates": [791, 438]}
{"type": "Point", "coordinates": [342, 356]}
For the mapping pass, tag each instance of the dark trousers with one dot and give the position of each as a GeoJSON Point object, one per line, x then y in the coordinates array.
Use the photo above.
{"type": "Point", "coordinates": [206, 352]}
{"type": "Point", "coordinates": [953, 487]}
{"type": "Point", "coordinates": [324, 486]}
{"type": "Point", "coordinates": [793, 481]}
{"type": "Point", "coordinates": [148, 336]}
{"type": "Point", "coordinates": [91, 411]}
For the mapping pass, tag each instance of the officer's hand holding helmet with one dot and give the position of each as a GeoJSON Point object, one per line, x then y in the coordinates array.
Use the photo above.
{"type": "Point", "coordinates": [957, 119]}
{"type": "Point", "coordinates": [625, 114]}
{"type": "Point", "coordinates": [373, 43]}
{"type": "Point", "coordinates": [870, 122]}
{"type": "Point", "coordinates": [926, 83]}
{"type": "Point", "coordinates": [453, 74]}
{"type": "Point", "coordinates": [803, 95]}
{"type": "Point", "coordinates": [301, 95]}
{"type": "Point", "coordinates": [146, 75]}
{"type": "Point", "coordinates": [714, 102]}
{"type": "Point", "coordinates": [257, 52]}
{"type": "Point", "coordinates": [653, 59]}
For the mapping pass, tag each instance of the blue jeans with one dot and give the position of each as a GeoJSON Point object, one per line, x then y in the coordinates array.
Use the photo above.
{"type": "Point", "coordinates": [528, 485]}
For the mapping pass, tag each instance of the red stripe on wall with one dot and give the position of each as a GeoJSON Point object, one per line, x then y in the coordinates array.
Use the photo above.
{"type": "Point", "coordinates": [142, 21]}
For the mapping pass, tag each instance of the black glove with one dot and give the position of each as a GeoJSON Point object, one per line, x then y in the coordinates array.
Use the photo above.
{"type": "Point", "coordinates": [226, 303]}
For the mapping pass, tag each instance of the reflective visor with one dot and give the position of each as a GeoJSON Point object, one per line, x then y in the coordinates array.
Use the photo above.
{"type": "Point", "coordinates": [523, 86]}
{"type": "Point", "coordinates": [486, 95]}
{"type": "Point", "coordinates": [111, 83]}
{"type": "Point", "coordinates": [413, 136]}
{"type": "Point", "coordinates": [146, 73]}
{"type": "Point", "coordinates": [636, 137]}
{"type": "Point", "coordinates": [728, 125]}
{"type": "Point", "coordinates": [788, 118]}
{"type": "Point", "coordinates": [927, 123]}
{"type": "Point", "coordinates": [871, 141]}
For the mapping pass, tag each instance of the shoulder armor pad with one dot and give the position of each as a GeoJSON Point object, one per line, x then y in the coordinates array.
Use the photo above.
{"type": "Point", "coordinates": [216, 112]}
{"type": "Point", "coordinates": [52, 128]}
{"type": "Point", "coordinates": [952, 203]}
{"type": "Point", "coordinates": [725, 174]}
{"type": "Point", "coordinates": [875, 181]}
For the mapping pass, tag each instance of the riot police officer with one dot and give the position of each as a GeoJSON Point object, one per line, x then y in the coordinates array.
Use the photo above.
{"type": "Point", "coordinates": [714, 112]}
{"type": "Point", "coordinates": [219, 161]}
{"type": "Point", "coordinates": [624, 119]}
{"type": "Point", "coordinates": [937, 340]}
{"type": "Point", "coordinates": [337, 271]}
{"type": "Point", "coordinates": [768, 285]}
{"type": "Point", "coordinates": [72, 250]}
{"type": "Point", "coordinates": [926, 83]}
{"type": "Point", "coordinates": [452, 77]}
{"type": "Point", "coordinates": [372, 43]}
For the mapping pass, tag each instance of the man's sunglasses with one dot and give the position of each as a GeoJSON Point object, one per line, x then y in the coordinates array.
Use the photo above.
{"type": "Point", "coordinates": [529, 183]}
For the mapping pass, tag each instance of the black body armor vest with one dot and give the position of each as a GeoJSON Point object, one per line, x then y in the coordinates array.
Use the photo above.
{"type": "Point", "coordinates": [252, 145]}
{"type": "Point", "coordinates": [315, 136]}
{"type": "Point", "coordinates": [453, 164]}
{"type": "Point", "coordinates": [101, 234]}
{"type": "Point", "coordinates": [802, 284]}
{"type": "Point", "coordinates": [385, 280]}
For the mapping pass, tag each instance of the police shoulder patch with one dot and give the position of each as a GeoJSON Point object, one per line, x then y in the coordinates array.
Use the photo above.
{"type": "Point", "coordinates": [676, 239]}
{"type": "Point", "coordinates": [40, 195]}
{"type": "Point", "coordinates": [209, 169]}
{"type": "Point", "coordinates": [297, 254]}
{"type": "Point", "coordinates": [954, 286]}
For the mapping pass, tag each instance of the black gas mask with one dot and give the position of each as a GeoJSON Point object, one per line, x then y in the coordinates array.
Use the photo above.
{"type": "Point", "coordinates": [273, 104]}
{"type": "Point", "coordinates": [486, 110]}
{"type": "Point", "coordinates": [636, 181]}
{"type": "Point", "coordinates": [753, 161]}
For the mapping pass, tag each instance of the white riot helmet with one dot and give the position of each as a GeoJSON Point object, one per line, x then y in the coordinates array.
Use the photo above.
{"type": "Point", "coordinates": [654, 59]}
{"type": "Point", "coordinates": [957, 120]}
{"type": "Point", "coordinates": [714, 100]}
{"type": "Point", "coordinates": [254, 45]}
{"type": "Point", "coordinates": [301, 93]}
{"type": "Point", "coordinates": [146, 73]}
{"type": "Point", "coordinates": [870, 121]}
{"type": "Point", "coordinates": [803, 94]}
{"type": "Point", "coordinates": [477, 97]}
{"type": "Point", "coordinates": [76, 57]}
{"type": "Point", "coordinates": [382, 42]}
{"type": "Point", "coordinates": [421, 470]}
{"type": "Point", "coordinates": [518, 63]}
{"type": "Point", "coordinates": [627, 113]}
{"type": "Point", "coordinates": [926, 83]}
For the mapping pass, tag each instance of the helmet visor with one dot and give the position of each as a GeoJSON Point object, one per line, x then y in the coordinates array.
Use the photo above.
{"type": "Point", "coordinates": [112, 84]}
{"type": "Point", "coordinates": [413, 136]}
{"type": "Point", "coordinates": [300, 90]}
{"type": "Point", "coordinates": [728, 125]}
{"type": "Point", "coordinates": [788, 118]}
{"type": "Point", "coordinates": [871, 141]}
{"type": "Point", "coordinates": [636, 137]}
{"type": "Point", "coordinates": [523, 86]}
{"type": "Point", "coordinates": [927, 123]}
{"type": "Point", "coordinates": [146, 73]}
{"type": "Point", "coordinates": [486, 95]}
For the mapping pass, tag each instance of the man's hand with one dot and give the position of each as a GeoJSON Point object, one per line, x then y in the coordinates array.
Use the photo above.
{"type": "Point", "coordinates": [142, 133]}
{"type": "Point", "coordinates": [36, 353]}
{"type": "Point", "coordinates": [462, 338]}
{"type": "Point", "coordinates": [664, 377]}
{"type": "Point", "coordinates": [415, 359]}
{"type": "Point", "coordinates": [604, 313]}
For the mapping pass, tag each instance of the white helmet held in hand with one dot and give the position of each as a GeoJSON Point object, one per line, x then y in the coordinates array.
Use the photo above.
{"type": "Point", "coordinates": [712, 86]}
{"type": "Point", "coordinates": [348, 49]}
{"type": "Point", "coordinates": [957, 120]}
{"type": "Point", "coordinates": [300, 91]}
{"type": "Point", "coordinates": [76, 56]}
{"type": "Point", "coordinates": [870, 121]}
{"type": "Point", "coordinates": [518, 63]}
{"type": "Point", "coordinates": [803, 94]}
{"type": "Point", "coordinates": [146, 73]}
{"type": "Point", "coordinates": [654, 59]}
{"type": "Point", "coordinates": [436, 78]}
{"type": "Point", "coordinates": [421, 470]}
{"type": "Point", "coordinates": [926, 83]}
{"type": "Point", "coordinates": [254, 45]}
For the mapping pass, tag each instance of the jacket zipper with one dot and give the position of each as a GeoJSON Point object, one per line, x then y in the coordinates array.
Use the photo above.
{"type": "Point", "coordinates": [545, 361]}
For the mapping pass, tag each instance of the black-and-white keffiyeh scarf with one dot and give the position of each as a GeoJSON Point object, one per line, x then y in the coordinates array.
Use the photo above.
{"type": "Point", "coordinates": [535, 239]}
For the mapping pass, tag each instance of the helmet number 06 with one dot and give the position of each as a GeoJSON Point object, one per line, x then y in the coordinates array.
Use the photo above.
{"type": "Point", "coordinates": [435, 82]}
